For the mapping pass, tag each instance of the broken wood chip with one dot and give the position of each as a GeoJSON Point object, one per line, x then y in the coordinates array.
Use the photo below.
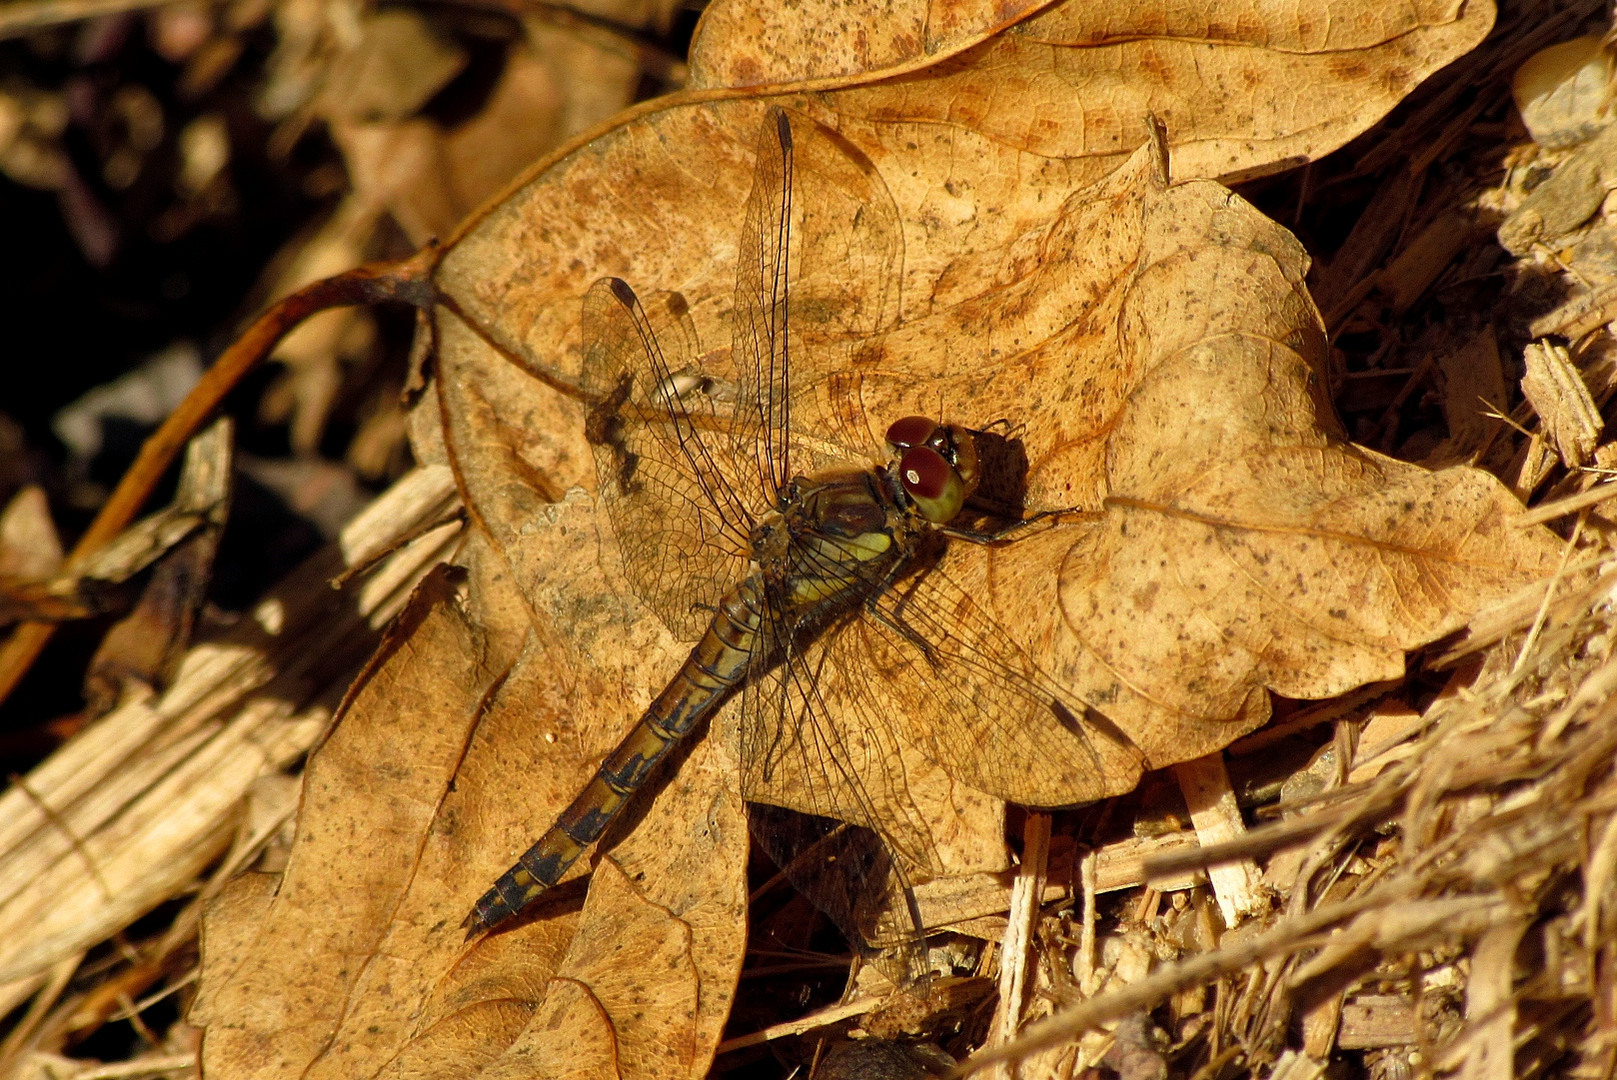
{"type": "Point", "coordinates": [1237, 884]}
{"type": "Point", "coordinates": [1567, 412]}
{"type": "Point", "coordinates": [1474, 388]}
{"type": "Point", "coordinates": [87, 587]}
{"type": "Point", "coordinates": [1586, 312]}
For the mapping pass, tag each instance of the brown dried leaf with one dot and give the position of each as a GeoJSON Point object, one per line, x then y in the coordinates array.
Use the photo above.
{"type": "Point", "coordinates": [1243, 89]}
{"type": "Point", "coordinates": [29, 545]}
{"type": "Point", "coordinates": [395, 66]}
{"type": "Point", "coordinates": [406, 816]}
{"type": "Point", "coordinates": [653, 15]}
{"type": "Point", "coordinates": [1243, 543]}
{"type": "Point", "coordinates": [553, 85]}
{"type": "Point", "coordinates": [361, 861]}
{"type": "Point", "coordinates": [1160, 355]}
{"type": "Point", "coordinates": [555, 82]}
{"type": "Point", "coordinates": [745, 43]}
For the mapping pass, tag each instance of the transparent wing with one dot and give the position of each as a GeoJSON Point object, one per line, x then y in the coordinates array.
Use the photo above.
{"type": "Point", "coordinates": [922, 665]}
{"type": "Point", "coordinates": [856, 838]}
{"type": "Point", "coordinates": [848, 270]}
{"type": "Point", "coordinates": [683, 530]}
{"type": "Point", "coordinates": [759, 335]}
{"type": "Point", "coordinates": [819, 214]}
{"type": "Point", "coordinates": [808, 742]}
{"type": "Point", "coordinates": [953, 683]}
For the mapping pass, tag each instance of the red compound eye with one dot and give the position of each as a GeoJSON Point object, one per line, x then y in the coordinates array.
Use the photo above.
{"type": "Point", "coordinates": [910, 431]}
{"type": "Point", "coordinates": [924, 472]}
{"type": "Point", "coordinates": [933, 485]}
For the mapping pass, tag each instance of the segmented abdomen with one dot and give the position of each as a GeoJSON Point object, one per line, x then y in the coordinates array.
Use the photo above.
{"type": "Point", "coordinates": [716, 666]}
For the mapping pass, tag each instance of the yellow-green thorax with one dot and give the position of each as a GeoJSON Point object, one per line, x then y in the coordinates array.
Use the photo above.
{"type": "Point", "coordinates": [830, 533]}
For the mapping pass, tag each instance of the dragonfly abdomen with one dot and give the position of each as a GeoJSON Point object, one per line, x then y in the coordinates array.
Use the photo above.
{"type": "Point", "coordinates": [717, 665]}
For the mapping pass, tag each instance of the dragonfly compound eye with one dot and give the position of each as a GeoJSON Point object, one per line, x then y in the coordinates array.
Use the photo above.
{"type": "Point", "coordinates": [932, 483]}
{"type": "Point", "coordinates": [910, 431]}
{"type": "Point", "coordinates": [958, 447]}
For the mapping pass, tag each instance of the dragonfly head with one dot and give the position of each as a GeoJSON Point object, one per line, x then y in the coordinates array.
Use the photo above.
{"type": "Point", "coordinates": [937, 465]}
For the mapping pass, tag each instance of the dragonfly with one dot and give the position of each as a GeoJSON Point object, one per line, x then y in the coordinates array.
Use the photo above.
{"type": "Point", "coordinates": [812, 580]}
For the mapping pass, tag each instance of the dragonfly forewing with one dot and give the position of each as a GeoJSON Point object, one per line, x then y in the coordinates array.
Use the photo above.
{"type": "Point", "coordinates": [684, 530]}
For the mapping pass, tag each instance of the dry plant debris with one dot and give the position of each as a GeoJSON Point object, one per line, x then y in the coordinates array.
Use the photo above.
{"type": "Point", "coordinates": [116, 824]}
{"type": "Point", "coordinates": [982, 228]}
{"type": "Point", "coordinates": [159, 128]}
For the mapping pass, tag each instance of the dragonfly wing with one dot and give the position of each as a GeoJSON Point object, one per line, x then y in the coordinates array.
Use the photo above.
{"type": "Point", "coordinates": [976, 703]}
{"type": "Point", "coordinates": [798, 750]}
{"type": "Point", "coordinates": [683, 530]}
{"type": "Point", "coordinates": [759, 344]}
{"type": "Point", "coordinates": [848, 270]}
{"type": "Point", "coordinates": [820, 214]}
{"type": "Point", "coordinates": [807, 742]}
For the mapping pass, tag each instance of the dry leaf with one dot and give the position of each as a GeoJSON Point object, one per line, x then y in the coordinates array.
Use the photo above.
{"type": "Point", "coordinates": [750, 44]}
{"type": "Point", "coordinates": [427, 175]}
{"type": "Point", "coordinates": [1158, 354]}
{"type": "Point", "coordinates": [1244, 543]}
{"type": "Point", "coordinates": [29, 546]}
{"type": "Point", "coordinates": [406, 816]}
{"type": "Point", "coordinates": [1243, 89]}
{"type": "Point", "coordinates": [364, 863]}
{"type": "Point", "coordinates": [1157, 359]}
{"type": "Point", "coordinates": [653, 15]}
{"type": "Point", "coordinates": [397, 64]}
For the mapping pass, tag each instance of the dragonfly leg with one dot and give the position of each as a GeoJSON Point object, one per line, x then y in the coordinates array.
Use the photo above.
{"type": "Point", "coordinates": [994, 536]}
{"type": "Point", "coordinates": [904, 630]}
{"type": "Point", "coordinates": [895, 621]}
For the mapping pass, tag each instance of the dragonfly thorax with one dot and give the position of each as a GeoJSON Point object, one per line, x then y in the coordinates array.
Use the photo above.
{"type": "Point", "coordinates": [830, 533]}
